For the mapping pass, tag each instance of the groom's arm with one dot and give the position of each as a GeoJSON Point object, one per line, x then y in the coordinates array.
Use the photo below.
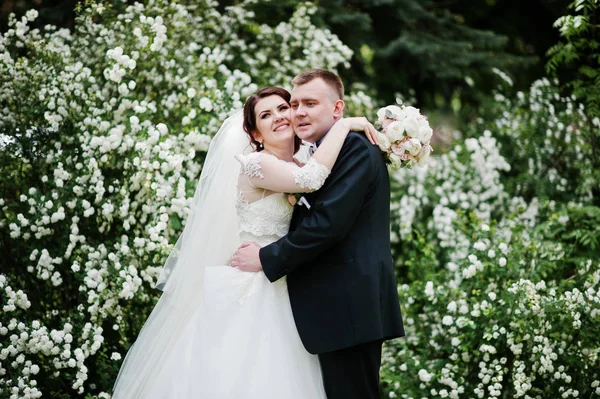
{"type": "Point", "coordinates": [332, 215]}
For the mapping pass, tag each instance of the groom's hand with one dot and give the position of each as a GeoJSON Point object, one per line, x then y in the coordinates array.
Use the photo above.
{"type": "Point", "coordinates": [246, 257]}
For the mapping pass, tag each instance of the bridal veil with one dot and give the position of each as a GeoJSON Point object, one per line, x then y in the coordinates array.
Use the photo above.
{"type": "Point", "coordinates": [210, 237]}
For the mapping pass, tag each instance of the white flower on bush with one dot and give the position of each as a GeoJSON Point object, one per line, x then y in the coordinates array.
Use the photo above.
{"type": "Point", "coordinates": [424, 375]}
{"type": "Point", "coordinates": [429, 290]}
{"type": "Point", "coordinates": [487, 348]}
{"type": "Point", "coordinates": [503, 248]}
{"type": "Point", "coordinates": [480, 246]}
{"type": "Point", "coordinates": [206, 104]}
{"type": "Point", "coordinates": [452, 306]}
{"type": "Point", "coordinates": [31, 15]}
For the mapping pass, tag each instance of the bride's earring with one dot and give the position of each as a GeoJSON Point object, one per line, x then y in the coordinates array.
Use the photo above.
{"type": "Point", "coordinates": [260, 145]}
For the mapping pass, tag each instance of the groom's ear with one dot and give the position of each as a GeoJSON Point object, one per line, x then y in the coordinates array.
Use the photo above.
{"type": "Point", "coordinates": [338, 109]}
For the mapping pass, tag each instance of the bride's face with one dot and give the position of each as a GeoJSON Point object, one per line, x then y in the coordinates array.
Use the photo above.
{"type": "Point", "coordinates": [273, 123]}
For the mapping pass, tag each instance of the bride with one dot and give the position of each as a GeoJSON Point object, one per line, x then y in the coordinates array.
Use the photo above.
{"type": "Point", "coordinates": [218, 332]}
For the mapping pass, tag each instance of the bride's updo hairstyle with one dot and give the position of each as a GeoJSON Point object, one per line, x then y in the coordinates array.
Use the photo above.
{"type": "Point", "coordinates": [250, 114]}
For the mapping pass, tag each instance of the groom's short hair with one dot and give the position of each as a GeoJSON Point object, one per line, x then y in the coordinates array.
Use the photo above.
{"type": "Point", "coordinates": [330, 78]}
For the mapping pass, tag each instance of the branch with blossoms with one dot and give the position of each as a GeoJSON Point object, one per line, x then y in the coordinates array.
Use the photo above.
{"type": "Point", "coordinates": [99, 169]}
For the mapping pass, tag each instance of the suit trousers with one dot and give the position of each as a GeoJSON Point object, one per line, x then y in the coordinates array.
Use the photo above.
{"type": "Point", "coordinates": [352, 372]}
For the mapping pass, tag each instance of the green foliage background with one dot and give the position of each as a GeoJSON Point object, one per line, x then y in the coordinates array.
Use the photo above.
{"type": "Point", "coordinates": [495, 242]}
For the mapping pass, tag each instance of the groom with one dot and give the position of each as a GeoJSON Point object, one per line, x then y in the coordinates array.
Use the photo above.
{"type": "Point", "coordinates": [337, 256]}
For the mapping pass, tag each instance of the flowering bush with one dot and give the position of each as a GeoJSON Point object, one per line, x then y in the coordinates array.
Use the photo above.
{"type": "Point", "coordinates": [103, 132]}
{"type": "Point", "coordinates": [513, 319]}
{"type": "Point", "coordinates": [547, 137]}
{"type": "Point", "coordinates": [500, 278]}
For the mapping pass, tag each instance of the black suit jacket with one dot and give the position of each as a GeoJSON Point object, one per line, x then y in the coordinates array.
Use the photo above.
{"type": "Point", "coordinates": [337, 256]}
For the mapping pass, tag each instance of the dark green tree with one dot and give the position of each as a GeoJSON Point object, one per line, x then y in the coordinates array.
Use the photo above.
{"type": "Point", "coordinates": [433, 50]}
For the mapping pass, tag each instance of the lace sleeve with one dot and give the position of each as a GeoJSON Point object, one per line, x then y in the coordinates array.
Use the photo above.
{"type": "Point", "coordinates": [312, 175]}
{"type": "Point", "coordinates": [268, 172]}
{"type": "Point", "coordinates": [251, 165]}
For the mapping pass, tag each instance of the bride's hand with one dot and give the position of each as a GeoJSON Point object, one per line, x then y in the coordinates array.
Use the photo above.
{"type": "Point", "coordinates": [361, 124]}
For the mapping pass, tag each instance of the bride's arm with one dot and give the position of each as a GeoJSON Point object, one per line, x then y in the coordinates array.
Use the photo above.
{"type": "Point", "coordinates": [331, 145]}
{"type": "Point", "coordinates": [268, 172]}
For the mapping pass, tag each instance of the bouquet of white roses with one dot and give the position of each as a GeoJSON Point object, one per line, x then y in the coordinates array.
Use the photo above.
{"type": "Point", "coordinates": [404, 135]}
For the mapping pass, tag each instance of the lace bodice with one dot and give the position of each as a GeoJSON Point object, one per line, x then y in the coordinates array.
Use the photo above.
{"type": "Point", "coordinates": [263, 209]}
{"type": "Point", "coordinates": [265, 220]}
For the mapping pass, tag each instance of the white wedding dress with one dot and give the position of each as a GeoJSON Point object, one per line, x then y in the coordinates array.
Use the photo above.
{"type": "Point", "coordinates": [242, 342]}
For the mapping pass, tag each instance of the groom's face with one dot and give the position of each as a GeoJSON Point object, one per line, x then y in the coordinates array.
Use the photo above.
{"type": "Point", "coordinates": [315, 108]}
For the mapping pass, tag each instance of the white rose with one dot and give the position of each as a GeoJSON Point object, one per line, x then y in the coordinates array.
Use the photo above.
{"type": "Point", "coordinates": [395, 131]}
{"type": "Point", "coordinates": [411, 126]}
{"type": "Point", "coordinates": [412, 146]}
{"type": "Point", "coordinates": [384, 142]}
{"type": "Point", "coordinates": [423, 156]}
{"type": "Point", "coordinates": [395, 159]}
{"type": "Point", "coordinates": [409, 112]}
{"type": "Point", "coordinates": [425, 132]}
{"type": "Point", "coordinates": [391, 111]}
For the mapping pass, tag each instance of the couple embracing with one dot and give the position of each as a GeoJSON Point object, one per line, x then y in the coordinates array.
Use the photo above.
{"type": "Point", "coordinates": [301, 308]}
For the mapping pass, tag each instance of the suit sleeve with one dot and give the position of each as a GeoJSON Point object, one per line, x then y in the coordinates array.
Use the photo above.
{"type": "Point", "coordinates": [334, 212]}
